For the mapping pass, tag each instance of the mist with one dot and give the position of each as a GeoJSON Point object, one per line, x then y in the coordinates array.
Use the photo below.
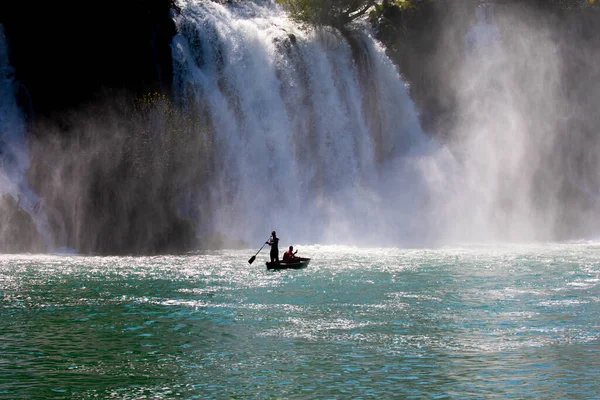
{"type": "Point", "coordinates": [316, 130]}
{"type": "Point", "coordinates": [524, 170]}
{"type": "Point", "coordinates": [116, 178]}
{"type": "Point", "coordinates": [313, 133]}
{"type": "Point", "coordinates": [310, 126]}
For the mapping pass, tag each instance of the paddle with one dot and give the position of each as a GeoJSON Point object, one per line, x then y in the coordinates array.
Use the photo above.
{"type": "Point", "coordinates": [251, 260]}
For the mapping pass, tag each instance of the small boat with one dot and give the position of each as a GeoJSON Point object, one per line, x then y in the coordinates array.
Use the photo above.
{"type": "Point", "coordinates": [296, 263]}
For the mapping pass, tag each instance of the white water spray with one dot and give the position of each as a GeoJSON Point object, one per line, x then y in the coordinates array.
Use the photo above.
{"type": "Point", "coordinates": [513, 144]}
{"type": "Point", "coordinates": [314, 133]}
{"type": "Point", "coordinates": [303, 144]}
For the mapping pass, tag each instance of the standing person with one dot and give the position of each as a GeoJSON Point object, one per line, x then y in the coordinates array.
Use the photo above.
{"type": "Point", "coordinates": [274, 243]}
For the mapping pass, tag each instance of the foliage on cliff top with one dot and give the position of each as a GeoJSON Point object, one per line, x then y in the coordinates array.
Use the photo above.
{"type": "Point", "coordinates": [336, 13]}
{"type": "Point", "coordinates": [339, 13]}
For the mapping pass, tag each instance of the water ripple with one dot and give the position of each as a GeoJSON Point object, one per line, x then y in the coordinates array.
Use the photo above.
{"type": "Point", "coordinates": [465, 322]}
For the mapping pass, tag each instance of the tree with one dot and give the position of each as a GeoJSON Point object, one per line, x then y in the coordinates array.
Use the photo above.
{"type": "Point", "coordinates": [336, 13]}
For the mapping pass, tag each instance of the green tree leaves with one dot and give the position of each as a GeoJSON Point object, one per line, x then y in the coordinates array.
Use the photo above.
{"type": "Point", "coordinates": [336, 13]}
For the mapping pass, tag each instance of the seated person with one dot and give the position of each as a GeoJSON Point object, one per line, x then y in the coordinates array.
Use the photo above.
{"type": "Point", "coordinates": [289, 255]}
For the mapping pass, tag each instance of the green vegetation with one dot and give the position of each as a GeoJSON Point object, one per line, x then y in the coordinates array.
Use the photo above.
{"type": "Point", "coordinates": [339, 13]}
{"type": "Point", "coordinates": [336, 13]}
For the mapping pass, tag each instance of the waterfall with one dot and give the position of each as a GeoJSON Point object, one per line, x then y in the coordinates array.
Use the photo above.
{"type": "Point", "coordinates": [313, 132]}
{"type": "Point", "coordinates": [310, 129]}
{"type": "Point", "coordinates": [14, 158]}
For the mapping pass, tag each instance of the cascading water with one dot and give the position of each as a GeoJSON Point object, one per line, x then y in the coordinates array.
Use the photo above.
{"type": "Point", "coordinates": [14, 159]}
{"type": "Point", "coordinates": [309, 128]}
{"type": "Point", "coordinates": [313, 133]}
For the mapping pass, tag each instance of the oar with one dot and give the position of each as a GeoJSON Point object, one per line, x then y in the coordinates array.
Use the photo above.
{"type": "Point", "coordinates": [251, 260]}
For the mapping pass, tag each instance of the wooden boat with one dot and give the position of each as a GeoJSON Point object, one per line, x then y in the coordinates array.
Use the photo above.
{"type": "Point", "coordinates": [296, 263]}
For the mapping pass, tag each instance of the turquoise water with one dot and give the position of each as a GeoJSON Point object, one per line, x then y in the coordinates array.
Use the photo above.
{"type": "Point", "coordinates": [475, 322]}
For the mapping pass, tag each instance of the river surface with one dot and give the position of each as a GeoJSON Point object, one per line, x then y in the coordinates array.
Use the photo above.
{"type": "Point", "coordinates": [463, 322]}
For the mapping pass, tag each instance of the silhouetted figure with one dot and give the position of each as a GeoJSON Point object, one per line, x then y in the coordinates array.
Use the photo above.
{"type": "Point", "coordinates": [274, 243]}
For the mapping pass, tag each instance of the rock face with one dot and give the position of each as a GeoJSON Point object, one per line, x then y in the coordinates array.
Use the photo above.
{"type": "Point", "coordinates": [63, 52]}
{"type": "Point", "coordinates": [18, 233]}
